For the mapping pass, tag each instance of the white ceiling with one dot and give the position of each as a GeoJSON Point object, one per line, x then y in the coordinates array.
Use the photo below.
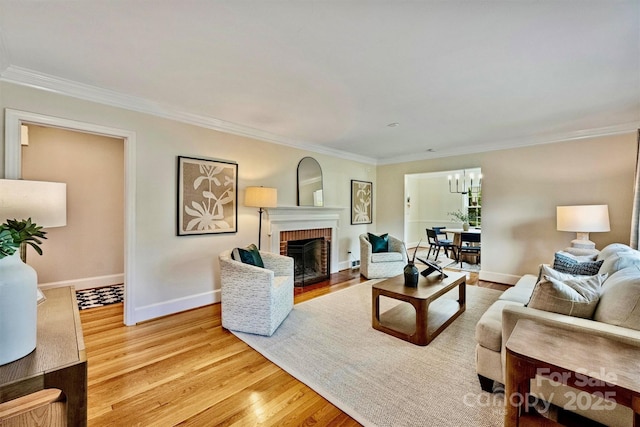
{"type": "Point", "coordinates": [458, 76]}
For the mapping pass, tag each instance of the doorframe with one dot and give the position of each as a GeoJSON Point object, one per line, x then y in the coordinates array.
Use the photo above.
{"type": "Point", "coordinates": [14, 119]}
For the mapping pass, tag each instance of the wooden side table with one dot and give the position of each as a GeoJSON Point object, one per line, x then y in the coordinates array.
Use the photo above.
{"type": "Point", "coordinates": [604, 366]}
{"type": "Point", "coordinates": [59, 360]}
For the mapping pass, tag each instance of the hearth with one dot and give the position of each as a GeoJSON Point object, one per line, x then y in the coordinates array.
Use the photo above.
{"type": "Point", "coordinates": [311, 260]}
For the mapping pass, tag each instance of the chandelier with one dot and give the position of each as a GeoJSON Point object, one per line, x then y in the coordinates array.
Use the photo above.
{"type": "Point", "coordinates": [461, 186]}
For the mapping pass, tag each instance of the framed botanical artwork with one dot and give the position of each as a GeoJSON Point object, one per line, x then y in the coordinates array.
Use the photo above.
{"type": "Point", "coordinates": [361, 201]}
{"type": "Point", "coordinates": [207, 196]}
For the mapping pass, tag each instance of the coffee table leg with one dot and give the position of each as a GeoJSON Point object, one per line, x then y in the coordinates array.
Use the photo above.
{"type": "Point", "coordinates": [421, 336]}
{"type": "Point", "coordinates": [462, 295]}
{"type": "Point", "coordinates": [375, 308]}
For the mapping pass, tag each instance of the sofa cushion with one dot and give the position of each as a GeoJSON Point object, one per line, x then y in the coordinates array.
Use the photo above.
{"type": "Point", "coordinates": [564, 262]}
{"type": "Point", "coordinates": [620, 299]}
{"type": "Point", "coordinates": [620, 261]}
{"type": "Point", "coordinates": [250, 255]}
{"type": "Point", "coordinates": [613, 249]}
{"type": "Point", "coordinates": [577, 296]}
{"type": "Point", "coordinates": [489, 327]}
{"type": "Point", "coordinates": [379, 243]}
{"type": "Point", "coordinates": [521, 291]}
{"type": "Point", "coordinates": [386, 257]}
{"type": "Point", "coordinates": [527, 281]}
{"type": "Point", "coordinates": [521, 294]}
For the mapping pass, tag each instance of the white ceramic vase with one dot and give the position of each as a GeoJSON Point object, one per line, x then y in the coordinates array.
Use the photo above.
{"type": "Point", "coordinates": [18, 308]}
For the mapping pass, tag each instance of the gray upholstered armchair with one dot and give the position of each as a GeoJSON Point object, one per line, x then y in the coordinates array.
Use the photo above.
{"type": "Point", "coordinates": [256, 300]}
{"type": "Point", "coordinates": [382, 264]}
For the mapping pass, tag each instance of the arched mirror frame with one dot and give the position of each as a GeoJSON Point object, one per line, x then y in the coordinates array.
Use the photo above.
{"type": "Point", "coordinates": [309, 183]}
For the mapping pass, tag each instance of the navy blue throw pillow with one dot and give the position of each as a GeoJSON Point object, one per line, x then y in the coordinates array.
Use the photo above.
{"type": "Point", "coordinates": [379, 243]}
{"type": "Point", "coordinates": [250, 255]}
{"type": "Point", "coordinates": [567, 264]}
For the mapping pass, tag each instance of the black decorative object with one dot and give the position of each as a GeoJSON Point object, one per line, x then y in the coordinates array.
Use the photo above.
{"type": "Point", "coordinates": [411, 273]}
{"type": "Point", "coordinates": [431, 268]}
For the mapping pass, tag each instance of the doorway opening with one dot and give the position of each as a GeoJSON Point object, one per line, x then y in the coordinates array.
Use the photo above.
{"type": "Point", "coordinates": [14, 119]}
{"type": "Point", "coordinates": [430, 196]}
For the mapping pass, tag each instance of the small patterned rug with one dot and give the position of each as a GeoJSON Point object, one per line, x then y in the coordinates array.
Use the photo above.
{"type": "Point", "coordinates": [97, 297]}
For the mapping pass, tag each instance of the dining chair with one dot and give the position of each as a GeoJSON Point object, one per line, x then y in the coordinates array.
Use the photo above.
{"type": "Point", "coordinates": [470, 244]}
{"type": "Point", "coordinates": [435, 244]}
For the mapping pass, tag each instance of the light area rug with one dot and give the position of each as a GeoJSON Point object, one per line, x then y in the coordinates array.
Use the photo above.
{"type": "Point", "coordinates": [328, 344]}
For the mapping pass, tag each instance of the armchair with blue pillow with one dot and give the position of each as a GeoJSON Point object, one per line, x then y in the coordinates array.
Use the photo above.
{"type": "Point", "coordinates": [381, 256]}
{"type": "Point", "coordinates": [256, 290]}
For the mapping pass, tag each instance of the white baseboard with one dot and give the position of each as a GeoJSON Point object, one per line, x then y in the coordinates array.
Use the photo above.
{"type": "Point", "coordinates": [86, 283]}
{"type": "Point", "coordinates": [177, 305]}
{"type": "Point", "coordinates": [507, 279]}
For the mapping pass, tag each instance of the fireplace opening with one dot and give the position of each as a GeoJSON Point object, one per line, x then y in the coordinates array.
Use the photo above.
{"type": "Point", "coordinates": [311, 260]}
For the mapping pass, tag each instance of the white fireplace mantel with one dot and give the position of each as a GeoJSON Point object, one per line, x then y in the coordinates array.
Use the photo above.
{"type": "Point", "coordinates": [289, 218]}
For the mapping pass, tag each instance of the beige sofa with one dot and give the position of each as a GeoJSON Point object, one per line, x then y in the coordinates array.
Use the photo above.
{"type": "Point", "coordinates": [617, 315]}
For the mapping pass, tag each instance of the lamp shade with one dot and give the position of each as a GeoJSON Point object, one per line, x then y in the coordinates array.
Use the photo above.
{"type": "Point", "coordinates": [44, 202]}
{"type": "Point", "coordinates": [261, 197]}
{"type": "Point", "coordinates": [583, 218]}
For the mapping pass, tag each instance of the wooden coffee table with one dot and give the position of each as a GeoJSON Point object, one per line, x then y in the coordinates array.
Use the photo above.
{"type": "Point", "coordinates": [426, 314]}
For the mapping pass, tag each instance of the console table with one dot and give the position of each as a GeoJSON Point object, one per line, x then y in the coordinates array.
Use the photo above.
{"type": "Point", "coordinates": [583, 361]}
{"type": "Point", "coordinates": [59, 360]}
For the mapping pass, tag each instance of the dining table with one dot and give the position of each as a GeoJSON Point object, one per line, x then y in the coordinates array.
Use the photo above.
{"type": "Point", "coordinates": [456, 234]}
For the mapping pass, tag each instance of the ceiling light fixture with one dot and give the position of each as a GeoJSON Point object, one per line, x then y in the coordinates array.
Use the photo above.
{"type": "Point", "coordinates": [474, 189]}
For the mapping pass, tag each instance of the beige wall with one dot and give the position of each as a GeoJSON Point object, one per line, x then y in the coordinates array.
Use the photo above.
{"type": "Point", "coordinates": [89, 250]}
{"type": "Point", "coordinates": [521, 189]}
{"type": "Point", "coordinates": [174, 273]}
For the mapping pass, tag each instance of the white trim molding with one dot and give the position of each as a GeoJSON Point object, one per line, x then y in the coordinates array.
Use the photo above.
{"type": "Point", "coordinates": [86, 283]}
{"type": "Point", "coordinates": [14, 119]}
{"type": "Point", "coordinates": [34, 79]}
{"type": "Point", "coordinates": [153, 311]}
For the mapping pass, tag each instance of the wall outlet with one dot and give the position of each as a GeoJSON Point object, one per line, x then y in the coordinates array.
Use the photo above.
{"type": "Point", "coordinates": [355, 263]}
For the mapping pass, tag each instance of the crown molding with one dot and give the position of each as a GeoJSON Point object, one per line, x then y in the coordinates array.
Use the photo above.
{"type": "Point", "coordinates": [42, 81]}
{"type": "Point", "coordinates": [623, 128]}
{"type": "Point", "coordinates": [34, 79]}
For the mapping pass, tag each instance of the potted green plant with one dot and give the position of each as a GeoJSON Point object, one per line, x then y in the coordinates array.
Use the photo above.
{"type": "Point", "coordinates": [462, 217]}
{"type": "Point", "coordinates": [14, 233]}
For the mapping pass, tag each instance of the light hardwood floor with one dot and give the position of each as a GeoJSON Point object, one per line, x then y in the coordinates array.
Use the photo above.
{"type": "Point", "coordinates": [184, 369]}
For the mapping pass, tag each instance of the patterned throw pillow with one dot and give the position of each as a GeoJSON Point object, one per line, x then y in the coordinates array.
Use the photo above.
{"type": "Point", "coordinates": [566, 263]}
{"type": "Point", "coordinates": [379, 243]}
{"type": "Point", "coordinates": [250, 255]}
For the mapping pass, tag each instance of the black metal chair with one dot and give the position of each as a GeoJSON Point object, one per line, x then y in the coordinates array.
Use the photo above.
{"type": "Point", "coordinates": [470, 244]}
{"type": "Point", "coordinates": [435, 244]}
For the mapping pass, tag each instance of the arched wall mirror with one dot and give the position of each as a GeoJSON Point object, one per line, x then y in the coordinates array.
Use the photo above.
{"type": "Point", "coordinates": [309, 182]}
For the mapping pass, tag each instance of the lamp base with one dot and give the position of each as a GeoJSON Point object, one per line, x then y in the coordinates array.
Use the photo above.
{"type": "Point", "coordinates": [582, 242]}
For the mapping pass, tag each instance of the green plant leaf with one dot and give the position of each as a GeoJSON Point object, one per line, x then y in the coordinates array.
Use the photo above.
{"type": "Point", "coordinates": [14, 232]}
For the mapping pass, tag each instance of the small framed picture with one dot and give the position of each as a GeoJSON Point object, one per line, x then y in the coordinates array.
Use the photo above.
{"type": "Point", "coordinates": [361, 201]}
{"type": "Point", "coordinates": [207, 196]}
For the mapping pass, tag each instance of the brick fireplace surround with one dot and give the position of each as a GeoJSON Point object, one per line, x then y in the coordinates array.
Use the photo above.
{"type": "Point", "coordinates": [300, 222]}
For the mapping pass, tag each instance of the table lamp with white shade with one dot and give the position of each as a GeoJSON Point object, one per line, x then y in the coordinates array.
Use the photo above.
{"type": "Point", "coordinates": [582, 220]}
{"type": "Point", "coordinates": [46, 204]}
